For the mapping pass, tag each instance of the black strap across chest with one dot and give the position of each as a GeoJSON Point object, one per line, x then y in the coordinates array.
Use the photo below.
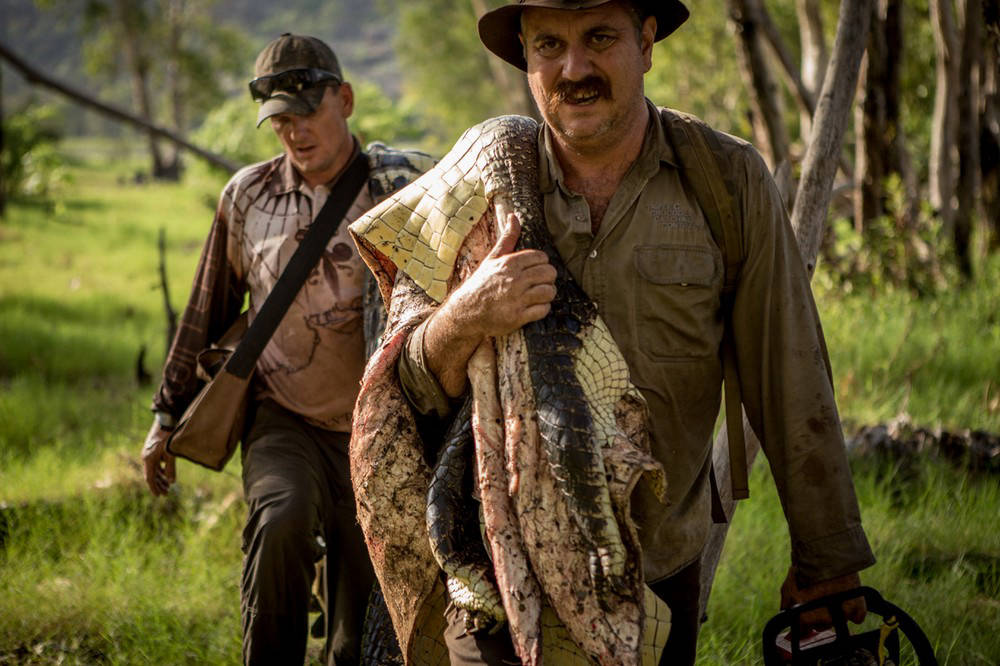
{"type": "Point", "coordinates": [310, 248]}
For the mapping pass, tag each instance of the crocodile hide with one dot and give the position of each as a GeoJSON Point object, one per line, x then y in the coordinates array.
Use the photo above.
{"type": "Point", "coordinates": [560, 432]}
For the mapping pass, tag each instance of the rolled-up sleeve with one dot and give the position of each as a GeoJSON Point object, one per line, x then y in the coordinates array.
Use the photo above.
{"type": "Point", "coordinates": [420, 386]}
{"type": "Point", "coordinates": [787, 389]}
{"type": "Point", "coordinates": [215, 302]}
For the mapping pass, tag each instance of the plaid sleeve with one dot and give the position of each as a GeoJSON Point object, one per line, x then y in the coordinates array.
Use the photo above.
{"type": "Point", "coordinates": [215, 302]}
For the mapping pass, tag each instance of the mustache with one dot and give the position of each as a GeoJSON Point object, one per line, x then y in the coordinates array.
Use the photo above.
{"type": "Point", "coordinates": [568, 90]}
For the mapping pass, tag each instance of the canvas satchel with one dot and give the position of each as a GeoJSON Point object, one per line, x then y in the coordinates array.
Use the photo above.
{"type": "Point", "coordinates": [213, 423]}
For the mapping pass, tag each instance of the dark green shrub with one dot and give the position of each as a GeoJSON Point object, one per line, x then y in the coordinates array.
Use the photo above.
{"type": "Point", "coordinates": [30, 164]}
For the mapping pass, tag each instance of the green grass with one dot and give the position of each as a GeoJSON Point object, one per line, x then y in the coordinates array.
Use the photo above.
{"type": "Point", "coordinates": [933, 532]}
{"type": "Point", "coordinates": [95, 570]}
{"type": "Point", "coordinates": [937, 359]}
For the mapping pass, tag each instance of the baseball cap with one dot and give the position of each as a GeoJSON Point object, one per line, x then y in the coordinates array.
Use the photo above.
{"type": "Point", "coordinates": [291, 73]}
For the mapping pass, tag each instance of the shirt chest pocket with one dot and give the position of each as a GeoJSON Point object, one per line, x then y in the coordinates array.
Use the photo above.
{"type": "Point", "coordinates": [676, 301]}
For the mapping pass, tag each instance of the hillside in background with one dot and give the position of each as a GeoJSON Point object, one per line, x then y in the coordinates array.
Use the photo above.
{"type": "Point", "coordinates": [51, 40]}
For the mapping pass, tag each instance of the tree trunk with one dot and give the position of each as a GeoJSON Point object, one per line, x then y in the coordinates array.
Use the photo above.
{"type": "Point", "coordinates": [508, 79]}
{"type": "Point", "coordinates": [814, 53]}
{"type": "Point", "coordinates": [127, 15]}
{"type": "Point", "coordinates": [881, 149]}
{"type": "Point", "coordinates": [3, 185]}
{"type": "Point", "coordinates": [944, 125]}
{"type": "Point", "coordinates": [989, 122]}
{"type": "Point", "coordinates": [968, 132]}
{"type": "Point", "coordinates": [877, 123]}
{"type": "Point", "coordinates": [869, 127]}
{"type": "Point", "coordinates": [898, 154]}
{"type": "Point", "coordinates": [770, 133]}
{"type": "Point", "coordinates": [35, 76]}
{"type": "Point", "coordinates": [805, 96]}
{"type": "Point", "coordinates": [808, 217]}
{"type": "Point", "coordinates": [175, 29]}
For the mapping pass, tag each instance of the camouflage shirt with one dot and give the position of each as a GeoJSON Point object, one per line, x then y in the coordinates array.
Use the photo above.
{"type": "Point", "coordinates": [313, 363]}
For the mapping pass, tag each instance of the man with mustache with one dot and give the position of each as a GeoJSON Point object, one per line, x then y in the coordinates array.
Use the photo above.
{"type": "Point", "coordinates": [633, 234]}
{"type": "Point", "coordinates": [296, 477]}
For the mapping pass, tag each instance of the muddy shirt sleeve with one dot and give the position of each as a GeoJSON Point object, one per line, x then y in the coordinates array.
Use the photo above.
{"type": "Point", "coordinates": [787, 387]}
{"type": "Point", "coordinates": [420, 386]}
{"type": "Point", "coordinates": [215, 302]}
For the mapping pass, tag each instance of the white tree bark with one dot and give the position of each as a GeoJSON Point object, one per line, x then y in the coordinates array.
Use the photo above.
{"type": "Point", "coordinates": [815, 54]}
{"type": "Point", "coordinates": [944, 124]}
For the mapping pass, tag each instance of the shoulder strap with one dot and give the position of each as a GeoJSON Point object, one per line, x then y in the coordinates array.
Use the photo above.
{"type": "Point", "coordinates": [699, 151]}
{"type": "Point", "coordinates": [312, 245]}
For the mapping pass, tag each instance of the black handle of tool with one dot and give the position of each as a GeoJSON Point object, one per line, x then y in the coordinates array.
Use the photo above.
{"type": "Point", "coordinates": [312, 246]}
{"type": "Point", "coordinates": [789, 619]}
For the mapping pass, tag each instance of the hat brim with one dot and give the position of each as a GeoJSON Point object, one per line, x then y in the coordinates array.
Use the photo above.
{"type": "Point", "coordinates": [499, 29]}
{"type": "Point", "coordinates": [300, 104]}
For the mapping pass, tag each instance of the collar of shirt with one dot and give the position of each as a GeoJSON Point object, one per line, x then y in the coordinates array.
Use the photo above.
{"type": "Point", "coordinates": [285, 179]}
{"type": "Point", "coordinates": [655, 153]}
{"type": "Point", "coordinates": [655, 149]}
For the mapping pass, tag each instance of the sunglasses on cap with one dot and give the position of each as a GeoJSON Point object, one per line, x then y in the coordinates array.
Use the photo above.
{"type": "Point", "coordinates": [291, 80]}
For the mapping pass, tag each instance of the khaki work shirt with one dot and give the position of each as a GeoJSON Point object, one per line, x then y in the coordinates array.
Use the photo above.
{"type": "Point", "coordinates": [656, 275]}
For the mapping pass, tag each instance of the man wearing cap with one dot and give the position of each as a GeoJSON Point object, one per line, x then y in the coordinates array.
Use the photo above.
{"type": "Point", "coordinates": [632, 233]}
{"type": "Point", "coordinates": [295, 466]}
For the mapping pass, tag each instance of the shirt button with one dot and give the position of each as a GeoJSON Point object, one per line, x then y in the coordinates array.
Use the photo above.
{"type": "Point", "coordinates": [593, 254]}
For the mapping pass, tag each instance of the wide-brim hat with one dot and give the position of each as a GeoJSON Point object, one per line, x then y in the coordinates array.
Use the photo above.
{"type": "Point", "coordinates": [499, 29]}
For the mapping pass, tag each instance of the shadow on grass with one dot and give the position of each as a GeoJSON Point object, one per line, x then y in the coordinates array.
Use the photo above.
{"type": "Point", "coordinates": [59, 341]}
{"type": "Point", "coordinates": [75, 650]}
{"type": "Point", "coordinates": [65, 519]}
{"type": "Point", "coordinates": [66, 204]}
{"type": "Point", "coordinates": [928, 565]}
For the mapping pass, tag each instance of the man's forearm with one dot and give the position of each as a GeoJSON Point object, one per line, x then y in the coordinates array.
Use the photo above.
{"type": "Point", "coordinates": [507, 290]}
{"type": "Point", "coordinates": [448, 346]}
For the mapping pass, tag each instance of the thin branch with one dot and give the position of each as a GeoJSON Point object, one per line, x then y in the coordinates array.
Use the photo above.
{"type": "Point", "coordinates": [35, 76]}
{"type": "Point", "coordinates": [820, 164]}
{"type": "Point", "coordinates": [802, 94]}
{"type": "Point", "coordinates": [770, 30]}
{"type": "Point", "coordinates": [167, 308]}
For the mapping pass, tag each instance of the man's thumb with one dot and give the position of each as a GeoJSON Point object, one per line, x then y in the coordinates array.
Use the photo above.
{"type": "Point", "coordinates": [508, 237]}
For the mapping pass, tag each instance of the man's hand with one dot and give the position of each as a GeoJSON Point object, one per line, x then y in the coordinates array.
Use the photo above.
{"type": "Point", "coordinates": [819, 619]}
{"type": "Point", "coordinates": [158, 465]}
{"type": "Point", "coordinates": [506, 291]}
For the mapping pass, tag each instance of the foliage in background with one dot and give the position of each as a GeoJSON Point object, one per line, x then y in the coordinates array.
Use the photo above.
{"type": "Point", "coordinates": [94, 570]}
{"type": "Point", "coordinates": [886, 254]}
{"type": "Point", "coordinates": [211, 55]}
{"type": "Point", "coordinates": [448, 72]}
{"type": "Point", "coordinates": [690, 72]}
{"type": "Point", "coordinates": [935, 356]}
{"type": "Point", "coordinates": [230, 129]}
{"type": "Point", "coordinates": [30, 162]}
{"type": "Point", "coordinates": [378, 118]}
